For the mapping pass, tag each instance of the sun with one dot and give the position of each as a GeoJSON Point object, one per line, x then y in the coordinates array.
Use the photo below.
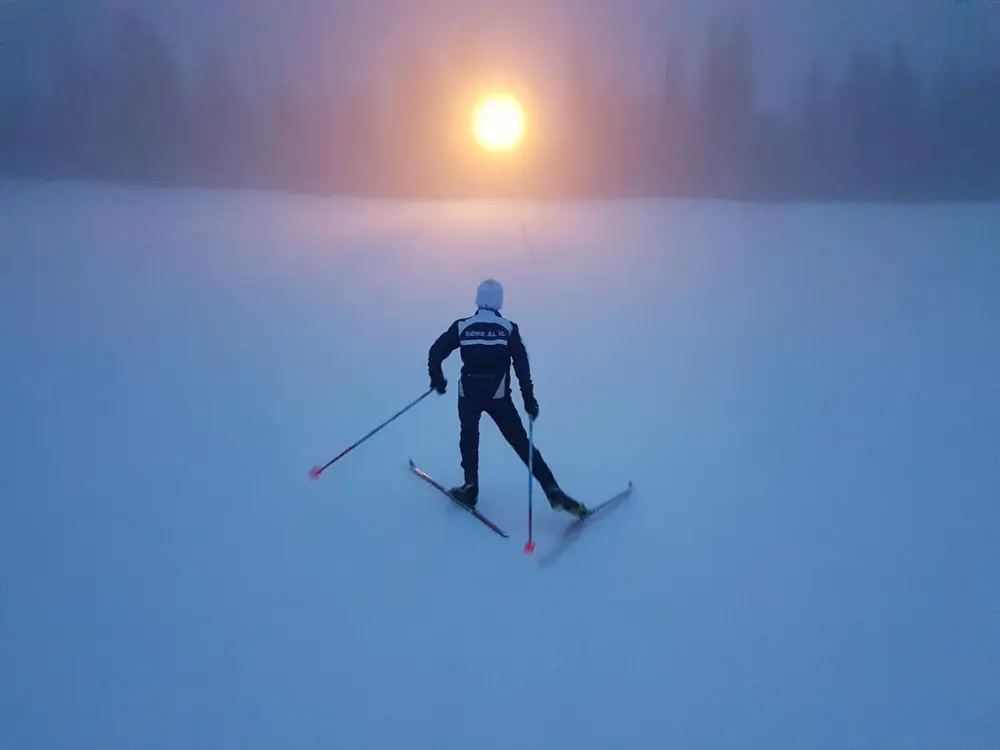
{"type": "Point", "coordinates": [498, 123]}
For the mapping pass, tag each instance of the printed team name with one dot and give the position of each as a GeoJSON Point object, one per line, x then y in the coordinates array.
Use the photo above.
{"type": "Point", "coordinates": [485, 334]}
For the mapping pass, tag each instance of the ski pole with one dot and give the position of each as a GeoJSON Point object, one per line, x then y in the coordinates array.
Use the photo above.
{"type": "Point", "coordinates": [529, 546]}
{"type": "Point", "coordinates": [317, 470]}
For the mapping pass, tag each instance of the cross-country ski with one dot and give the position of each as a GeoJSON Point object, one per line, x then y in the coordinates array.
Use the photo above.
{"type": "Point", "coordinates": [572, 531]}
{"type": "Point", "coordinates": [434, 483]}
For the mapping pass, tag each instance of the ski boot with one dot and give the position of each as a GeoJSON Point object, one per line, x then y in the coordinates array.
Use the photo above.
{"type": "Point", "coordinates": [467, 494]}
{"type": "Point", "coordinates": [559, 500]}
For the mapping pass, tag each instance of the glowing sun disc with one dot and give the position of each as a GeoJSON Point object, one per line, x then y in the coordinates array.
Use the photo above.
{"type": "Point", "coordinates": [498, 123]}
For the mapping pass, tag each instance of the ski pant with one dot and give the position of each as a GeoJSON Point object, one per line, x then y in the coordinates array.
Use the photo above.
{"type": "Point", "coordinates": [504, 413]}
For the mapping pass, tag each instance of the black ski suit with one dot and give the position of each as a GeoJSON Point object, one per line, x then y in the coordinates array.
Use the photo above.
{"type": "Point", "coordinates": [489, 345]}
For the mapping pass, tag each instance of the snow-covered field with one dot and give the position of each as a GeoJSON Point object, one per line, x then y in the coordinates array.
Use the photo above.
{"type": "Point", "coordinates": [807, 398]}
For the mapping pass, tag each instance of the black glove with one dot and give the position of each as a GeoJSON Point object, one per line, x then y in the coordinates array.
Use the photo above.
{"type": "Point", "coordinates": [438, 383]}
{"type": "Point", "coordinates": [531, 406]}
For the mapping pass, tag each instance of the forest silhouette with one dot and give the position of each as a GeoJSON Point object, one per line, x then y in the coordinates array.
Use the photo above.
{"type": "Point", "coordinates": [874, 130]}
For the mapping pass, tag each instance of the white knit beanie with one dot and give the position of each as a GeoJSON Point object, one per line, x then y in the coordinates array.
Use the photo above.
{"type": "Point", "coordinates": [490, 295]}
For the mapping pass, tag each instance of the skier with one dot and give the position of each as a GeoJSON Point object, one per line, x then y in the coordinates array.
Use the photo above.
{"type": "Point", "coordinates": [489, 344]}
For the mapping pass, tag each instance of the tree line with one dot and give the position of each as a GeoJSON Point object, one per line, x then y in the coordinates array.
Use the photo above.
{"type": "Point", "coordinates": [874, 130]}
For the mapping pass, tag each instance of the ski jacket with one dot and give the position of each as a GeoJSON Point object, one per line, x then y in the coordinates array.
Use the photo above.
{"type": "Point", "coordinates": [489, 345]}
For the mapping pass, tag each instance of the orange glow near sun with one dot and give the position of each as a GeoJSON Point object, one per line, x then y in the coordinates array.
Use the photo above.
{"type": "Point", "coordinates": [498, 123]}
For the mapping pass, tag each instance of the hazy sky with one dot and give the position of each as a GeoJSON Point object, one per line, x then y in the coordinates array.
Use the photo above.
{"type": "Point", "coordinates": [532, 37]}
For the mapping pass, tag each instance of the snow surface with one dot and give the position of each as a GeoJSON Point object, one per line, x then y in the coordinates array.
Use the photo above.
{"type": "Point", "coordinates": [807, 398]}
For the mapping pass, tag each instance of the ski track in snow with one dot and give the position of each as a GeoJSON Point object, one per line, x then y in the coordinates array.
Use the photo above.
{"type": "Point", "coordinates": [807, 398]}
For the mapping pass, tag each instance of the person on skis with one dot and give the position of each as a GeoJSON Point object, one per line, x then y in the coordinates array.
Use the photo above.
{"type": "Point", "coordinates": [489, 345]}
